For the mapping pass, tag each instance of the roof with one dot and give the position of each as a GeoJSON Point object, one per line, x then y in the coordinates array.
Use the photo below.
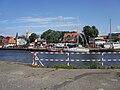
{"type": "Point", "coordinates": [73, 34]}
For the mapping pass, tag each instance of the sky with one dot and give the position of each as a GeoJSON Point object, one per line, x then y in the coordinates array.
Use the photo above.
{"type": "Point", "coordinates": [37, 16]}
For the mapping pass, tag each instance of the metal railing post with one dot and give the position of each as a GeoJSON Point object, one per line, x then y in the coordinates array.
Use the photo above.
{"type": "Point", "coordinates": [68, 59]}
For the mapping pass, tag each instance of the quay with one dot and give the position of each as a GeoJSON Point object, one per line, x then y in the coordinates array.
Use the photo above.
{"type": "Point", "coordinates": [20, 76]}
{"type": "Point", "coordinates": [45, 49]}
{"type": "Point", "coordinates": [103, 50]}
{"type": "Point", "coordinates": [26, 49]}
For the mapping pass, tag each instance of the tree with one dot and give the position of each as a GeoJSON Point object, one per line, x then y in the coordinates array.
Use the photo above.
{"type": "Point", "coordinates": [90, 32]}
{"type": "Point", "coordinates": [95, 31]}
{"type": "Point", "coordinates": [51, 36]}
{"type": "Point", "coordinates": [32, 37]}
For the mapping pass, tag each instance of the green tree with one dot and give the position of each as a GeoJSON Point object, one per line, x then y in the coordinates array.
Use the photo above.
{"type": "Point", "coordinates": [32, 37]}
{"type": "Point", "coordinates": [53, 36]}
{"type": "Point", "coordinates": [90, 31]}
{"type": "Point", "coordinates": [95, 31]}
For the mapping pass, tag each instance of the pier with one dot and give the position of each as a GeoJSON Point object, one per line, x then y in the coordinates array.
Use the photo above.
{"type": "Point", "coordinates": [19, 76]}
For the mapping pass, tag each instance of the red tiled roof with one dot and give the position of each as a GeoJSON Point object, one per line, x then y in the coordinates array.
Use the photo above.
{"type": "Point", "coordinates": [74, 34]}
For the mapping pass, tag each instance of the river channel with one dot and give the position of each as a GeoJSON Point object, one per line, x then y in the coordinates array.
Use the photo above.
{"type": "Point", "coordinates": [53, 58]}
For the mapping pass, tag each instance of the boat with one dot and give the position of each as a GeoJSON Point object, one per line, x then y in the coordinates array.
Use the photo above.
{"type": "Point", "coordinates": [112, 45]}
{"type": "Point", "coordinates": [79, 47]}
{"type": "Point", "coordinates": [53, 49]}
{"type": "Point", "coordinates": [76, 49]}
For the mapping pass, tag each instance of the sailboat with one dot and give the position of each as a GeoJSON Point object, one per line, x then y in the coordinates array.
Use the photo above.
{"type": "Point", "coordinates": [110, 44]}
{"type": "Point", "coordinates": [79, 48]}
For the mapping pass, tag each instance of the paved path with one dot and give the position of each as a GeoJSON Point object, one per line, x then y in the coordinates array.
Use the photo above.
{"type": "Point", "coordinates": [15, 76]}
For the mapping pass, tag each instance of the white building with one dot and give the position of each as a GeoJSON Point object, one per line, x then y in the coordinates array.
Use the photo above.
{"type": "Point", "coordinates": [27, 34]}
{"type": "Point", "coordinates": [21, 41]}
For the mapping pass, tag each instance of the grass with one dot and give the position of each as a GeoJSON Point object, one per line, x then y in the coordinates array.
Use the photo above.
{"type": "Point", "coordinates": [90, 66]}
{"type": "Point", "coordinates": [118, 74]}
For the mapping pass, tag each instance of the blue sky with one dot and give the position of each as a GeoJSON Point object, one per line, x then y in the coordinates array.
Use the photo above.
{"type": "Point", "coordinates": [63, 15]}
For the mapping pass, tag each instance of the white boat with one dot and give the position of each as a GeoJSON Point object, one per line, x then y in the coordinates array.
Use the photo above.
{"type": "Point", "coordinates": [76, 49]}
{"type": "Point", "coordinates": [0, 46]}
{"type": "Point", "coordinates": [112, 45]}
{"type": "Point", "coordinates": [79, 48]}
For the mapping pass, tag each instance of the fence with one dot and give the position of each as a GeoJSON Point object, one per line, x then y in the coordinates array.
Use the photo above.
{"type": "Point", "coordinates": [75, 57]}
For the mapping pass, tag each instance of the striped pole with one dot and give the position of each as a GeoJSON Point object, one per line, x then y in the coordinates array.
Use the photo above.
{"type": "Point", "coordinates": [68, 59]}
{"type": "Point", "coordinates": [102, 59]}
{"type": "Point", "coordinates": [33, 58]}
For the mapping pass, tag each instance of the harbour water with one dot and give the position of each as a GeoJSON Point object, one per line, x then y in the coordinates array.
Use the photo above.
{"type": "Point", "coordinates": [53, 58]}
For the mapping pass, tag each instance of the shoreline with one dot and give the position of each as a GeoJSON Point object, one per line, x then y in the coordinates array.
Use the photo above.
{"type": "Point", "coordinates": [45, 49]}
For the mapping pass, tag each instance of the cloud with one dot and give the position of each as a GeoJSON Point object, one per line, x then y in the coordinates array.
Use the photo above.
{"type": "Point", "coordinates": [3, 21]}
{"type": "Point", "coordinates": [54, 25]}
{"type": "Point", "coordinates": [39, 24]}
{"type": "Point", "coordinates": [48, 19]}
{"type": "Point", "coordinates": [30, 19]}
{"type": "Point", "coordinates": [118, 27]}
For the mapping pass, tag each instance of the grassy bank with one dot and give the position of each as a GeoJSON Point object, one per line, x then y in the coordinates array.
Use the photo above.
{"type": "Point", "coordinates": [78, 67]}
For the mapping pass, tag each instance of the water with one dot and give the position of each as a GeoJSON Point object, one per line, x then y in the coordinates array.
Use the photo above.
{"type": "Point", "coordinates": [49, 59]}
{"type": "Point", "coordinates": [16, 56]}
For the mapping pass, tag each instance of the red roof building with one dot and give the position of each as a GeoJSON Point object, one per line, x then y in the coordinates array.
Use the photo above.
{"type": "Point", "coordinates": [70, 37]}
{"type": "Point", "coordinates": [8, 40]}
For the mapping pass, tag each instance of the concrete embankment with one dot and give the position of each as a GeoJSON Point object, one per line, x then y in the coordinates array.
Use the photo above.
{"type": "Point", "coordinates": [26, 49]}
{"type": "Point", "coordinates": [45, 49]}
{"type": "Point", "coordinates": [19, 76]}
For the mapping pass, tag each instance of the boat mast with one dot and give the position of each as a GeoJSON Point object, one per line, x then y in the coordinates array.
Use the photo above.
{"type": "Point", "coordinates": [78, 30]}
{"type": "Point", "coordinates": [110, 29]}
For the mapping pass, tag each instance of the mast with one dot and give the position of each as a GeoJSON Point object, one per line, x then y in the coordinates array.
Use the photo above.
{"type": "Point", "coordinates": [78, 30]}
{"type": "Point", "coordinates": [110, 29]}
{"type": "Point", "coordinates": [111, 45]}
{"type": "Point", "coordinates": [16, 38]}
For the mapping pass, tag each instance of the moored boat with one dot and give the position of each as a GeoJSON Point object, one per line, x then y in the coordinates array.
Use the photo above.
{"type": "Point", "coordinates": [76, 49]}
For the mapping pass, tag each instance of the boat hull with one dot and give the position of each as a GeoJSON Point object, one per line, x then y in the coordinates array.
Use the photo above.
{"type": "Point", "coordinates": [76, 50]}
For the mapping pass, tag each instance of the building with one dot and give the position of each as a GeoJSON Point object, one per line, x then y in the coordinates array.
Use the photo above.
{"type": "Point", "coordinates": [40, 43]}
{"type": "Point", "coordinates": [114, 37]}
{"type": "Point", "coordinates": [8, 42]}
{"type": "Point", "coordinates": [1, 38]}
{"type": "Point", "coordinates": [21, 41]}
{"type": "Point", "coordinates": [98, 41]}
{"type": "Point", "coordinates": [70, 37]}
{"type": "Point", "coordinates": [28, 34]}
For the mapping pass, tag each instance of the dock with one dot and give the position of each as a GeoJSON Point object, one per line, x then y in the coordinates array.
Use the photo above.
{"type": "Point", "coordinates": [45, 49]}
